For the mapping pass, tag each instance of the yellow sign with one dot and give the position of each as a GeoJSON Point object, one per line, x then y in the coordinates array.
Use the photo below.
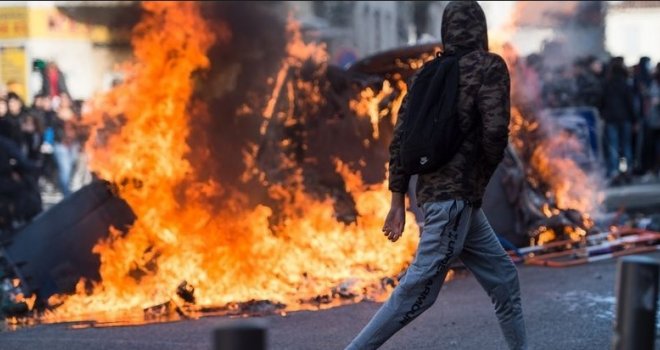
{"type": "Point", "coordinates": [13, 70]}
{"type": "Point", "coordinates": [13, 22]}
{"type": "Point", "coordinates": [49, 23]}
{"type": "Point", "coordinates": [53, 24]}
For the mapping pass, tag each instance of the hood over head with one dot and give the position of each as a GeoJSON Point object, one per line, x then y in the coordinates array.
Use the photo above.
{"type": "Point", "coordinates": [464, 27]}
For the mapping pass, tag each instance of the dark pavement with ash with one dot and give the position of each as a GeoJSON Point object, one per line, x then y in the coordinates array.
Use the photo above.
{"type": "Point", "coordinates": [567, 309]}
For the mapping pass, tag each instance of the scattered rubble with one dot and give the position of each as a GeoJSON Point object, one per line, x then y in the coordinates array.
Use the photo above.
{"type": "Point", "coordinates": [186, 292]}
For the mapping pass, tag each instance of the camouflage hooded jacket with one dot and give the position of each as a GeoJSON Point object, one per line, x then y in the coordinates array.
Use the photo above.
{"type": "Point", "coordinates": [483, 98]}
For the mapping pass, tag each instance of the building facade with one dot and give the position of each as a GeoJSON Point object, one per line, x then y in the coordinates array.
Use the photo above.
{"type": "Point", "coordinates": [356, 29]}
{"type": "Point", "coordinates": [33, 31]}
{"type": "Point", "coordinates": [632, 28]}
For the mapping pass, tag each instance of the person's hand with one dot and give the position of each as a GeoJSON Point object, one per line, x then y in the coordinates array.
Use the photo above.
{"type": "Point", "coordinates": [396, 218]}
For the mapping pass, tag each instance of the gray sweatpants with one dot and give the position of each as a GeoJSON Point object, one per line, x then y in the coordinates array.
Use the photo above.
{"type": "Point", "coordinates": [452, 229]}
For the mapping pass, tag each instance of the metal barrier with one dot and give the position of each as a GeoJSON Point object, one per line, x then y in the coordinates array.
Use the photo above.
{"type": "Point", "coordinates": [637, 300]}
{"type": "Point", "coordinates": [248, 334]}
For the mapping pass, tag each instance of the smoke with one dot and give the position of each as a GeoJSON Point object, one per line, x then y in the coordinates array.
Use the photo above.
{"type": "Point", "coordinates": [561, 31]}
{"type": "Point", "coordinates": [240, 70]}
{"type": "Point", "coordinates": [555, 143]}
{"type": "Point", "coordinates": [232, 95]}
{"type": "Point", "coordinates": [311, 125]}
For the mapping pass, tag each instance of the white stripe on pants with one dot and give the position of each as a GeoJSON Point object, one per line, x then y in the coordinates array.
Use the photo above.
{"type": "Point", "coordinates": [452, 229]}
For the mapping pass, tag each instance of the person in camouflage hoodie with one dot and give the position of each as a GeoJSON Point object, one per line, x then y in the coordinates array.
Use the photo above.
{"type": "Point", "coordinates": [450, 197]}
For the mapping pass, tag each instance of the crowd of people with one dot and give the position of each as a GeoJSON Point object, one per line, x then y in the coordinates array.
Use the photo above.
{"type": "Point", "coordinates": [627, 99]}
{"type": "Point", "coordinates": [39, 145]}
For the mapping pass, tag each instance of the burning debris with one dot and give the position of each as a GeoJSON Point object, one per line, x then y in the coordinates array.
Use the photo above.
{"type": "Point", "coordinates": [251, 307]}
{"type": "Point", "coordinates": [164, 312]}
{"type": "Point", "coordinates": [594, 248]}
{"type": "Point", "coordinates": [180, 307]}
{"type": "Point", "coordinates": [186, 292]}
{"type": "Point", "coordinates": [283, 247]}
{"type": "Point", "coordinates": [14, 302]}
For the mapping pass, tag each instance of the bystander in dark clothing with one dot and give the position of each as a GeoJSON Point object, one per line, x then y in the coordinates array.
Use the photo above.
{"type": "Point", "coordinates": [16, 106]}
{"type": "Point", "coordinates": [589, 84]}
{"type": "Point", "coordinates": [32, 138]}
{"type": "Point", "coordinates": [618, 112]}
{"type": "Point", "coordinates": [9, 127]}
{"type": "Point", "coordinates": [50, 125]}
{"type": "Point", "coordinates": [642, 81]}
{"type": "Point", "coordinates": [654, 122]}
{"type": "Point", "coordinates": [20, 199]}
{"type": "Point", "coordinates": [17, 110]}
{"type": "Point", "coordinates": [559, 88]}
{"type": "Point", "coordinates": [37, 109]}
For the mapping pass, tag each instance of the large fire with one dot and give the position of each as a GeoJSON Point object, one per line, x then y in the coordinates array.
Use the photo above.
{"type": "Point", "coordinates": [546, 149]}
{"type": "Point", "coordinates": [290, 253]}
{"type": "Point", "coordinates": [551, 171]}
{"type": "Point", "coordinates": [227, 254]}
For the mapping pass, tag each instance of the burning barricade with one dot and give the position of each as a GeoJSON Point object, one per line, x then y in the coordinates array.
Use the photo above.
{"type": "Point", "coordinates": [257, 179]}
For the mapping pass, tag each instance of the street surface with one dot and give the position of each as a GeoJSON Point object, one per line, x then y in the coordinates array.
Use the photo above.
{"type": "Point", "coordinates": [566, 309]}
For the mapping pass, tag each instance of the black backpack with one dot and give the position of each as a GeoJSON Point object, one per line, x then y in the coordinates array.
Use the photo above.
{"type": "Point", "coordinates": [431, 132]}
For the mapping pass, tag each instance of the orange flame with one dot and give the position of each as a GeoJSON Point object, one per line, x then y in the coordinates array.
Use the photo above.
{"type": "Point", "coordinates": [234, 252]}
{"type": "Point", "coordinates": [549, 166]}
{"type": "Point", "coordinates": [570, 186]}
{"type": "Point", "coordinates": [545, 149]}
{"type": "Point", "coordinates": [228, 254]}
{"type": "Point", "coordinates": [368, 104]}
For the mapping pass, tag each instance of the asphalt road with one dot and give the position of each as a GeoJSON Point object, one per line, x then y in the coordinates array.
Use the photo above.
{"type": "Point", "coordinates": [566, 309]}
